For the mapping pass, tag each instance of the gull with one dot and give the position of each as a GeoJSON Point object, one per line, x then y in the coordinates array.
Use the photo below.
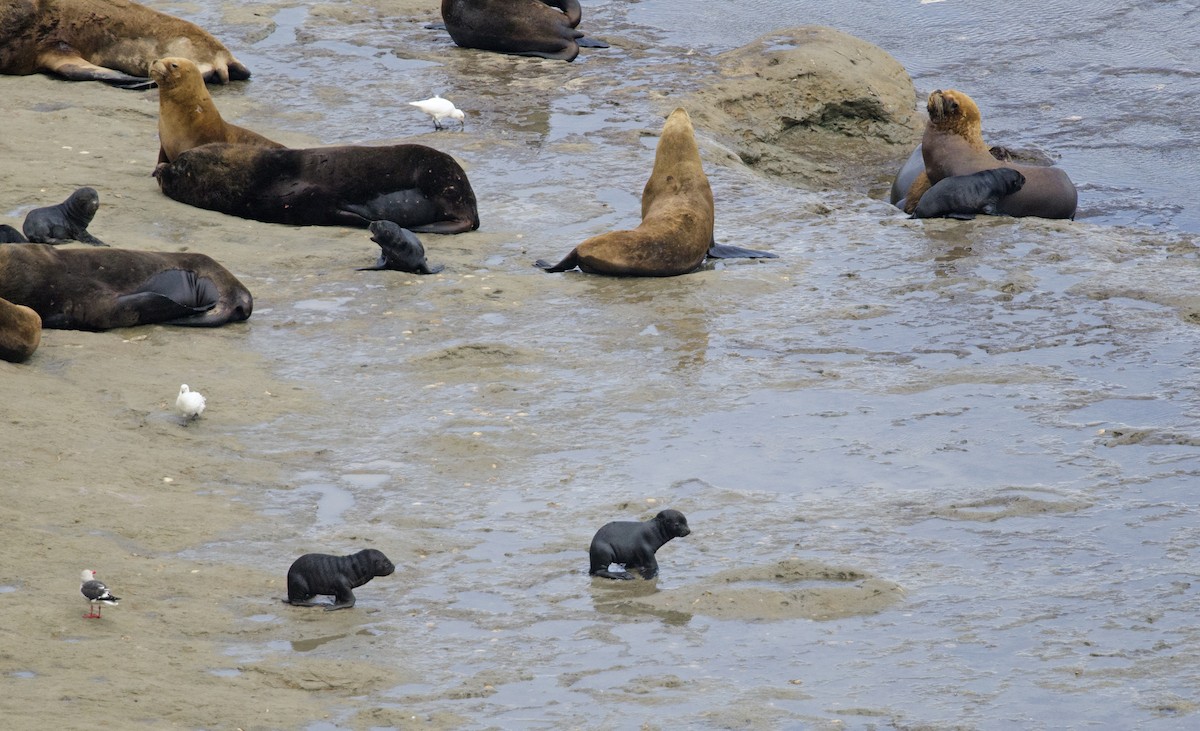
{"type": "Point", "coordinates": [96, 593]}
{"type": "Point", "coordinates": [440, 109]}
{"type": "Point", "coordinates": [189, 403]}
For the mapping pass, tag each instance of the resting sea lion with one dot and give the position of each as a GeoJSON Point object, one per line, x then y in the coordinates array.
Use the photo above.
{"type": "Point", "coordinates": [414, 186]}
{"type": "Point", "coordinates": [962, 196]}
{"type": "Point", "coordinates": [321, 573]}
{"type": "Point", "coordinates": [20, 331]}
{"type": "Point", "coordinates": [9, 235]}
{"type": "Point", "coordinates": [676, 232]}
{"type": "Point", "coordinates": [104, 40]}
{"type": "Point", "coordinates": [401, 250]}
{"type": "Point", "coordinates": [953, 145]}
{"type": "Point", "coordinates": [633, 544]}
{"type": "Point", "coordinates": [187, 117]}
{"type": "Point", "coordinates": [67, 221]}
{"type": "Point", "coordinates": [519, 27]}
{"type": "Point", "coordinates": [98, 289]}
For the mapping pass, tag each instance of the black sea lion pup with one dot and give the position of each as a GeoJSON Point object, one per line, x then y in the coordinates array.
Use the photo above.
{"type": "Point", "coordinates": [962, 196]}
{"type": "Point", "coordinates": [67, 221]}
{"type": "Point", "coordinates": [321, 573]}
{"type": "Point", "coordinates": [633, 544]}
{"type": "Point", "coordinates": [519, 27]}
{"type": "Point", "coordinates": [9, 235]}
{"type": "Point", "coordinates": [401, 250]}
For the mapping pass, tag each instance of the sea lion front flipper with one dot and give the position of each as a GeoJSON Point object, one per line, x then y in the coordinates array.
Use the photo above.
{"type": "Point", "coordinates": [569, 262]}
{"type": "Point", "coordinates": [589, 42]}
{"type": "Point", "coordinates": [725, 251]}
{"type": "Point", "coordinates": [85, 237]}
{"type": "Point", "coordinates": [153, 307]}
{"type": "Point", "coordinates": [66, 62]}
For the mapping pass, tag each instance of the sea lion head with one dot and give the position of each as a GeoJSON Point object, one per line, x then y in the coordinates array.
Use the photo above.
{"type": "Point", "coordinates": [174, 72]}
{"type": "Point", "coordinates": [673, 523]}
{"type": "Point", "coordinates": [955, 112]}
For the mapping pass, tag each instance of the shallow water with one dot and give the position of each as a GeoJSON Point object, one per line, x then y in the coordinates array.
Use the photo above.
{"type": "Point", "coordinates": [999, 417]}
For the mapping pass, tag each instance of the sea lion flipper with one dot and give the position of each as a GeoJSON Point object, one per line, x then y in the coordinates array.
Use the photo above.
{"type": "Point", "coordinates": [155, 307]}
{"type": "Point", "coordinates": [589, 42]}
{"type": "Point", "coordinates": [725, 251]}
{"type": "Point", "coordinates": [66, 62]}
{"type": "Point", "coordinates": [569, 262]}
{"type": "Point", "coordinates": [90, 240]}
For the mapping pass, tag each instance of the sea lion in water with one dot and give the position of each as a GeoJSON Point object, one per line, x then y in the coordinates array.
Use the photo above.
{"type": "Point", "coordinates": [953, 145]}
{"type": "Point", "coordinates": [9, 235]}
{"type": "Point", "coordinates": [414, 186]}
{"type": "Point", "coordinates": [20, 331]}
{"type": "Point", "coordinates": [321, 573]}
{"type": "Point", "coordinates": [544, 28]}
{"type": "Point", "coordinates": [66, 221]}
{"type": "Point", "coordinates": [104, 40]}
{"type": "Point", "coordinates": [187, 116]}
{"type": "Point", "coordinates": [401, 250]}
{"type": "Point", "coordinates": [962, 196]}
{"type": "Point", "coordinates": [633, 544]}
{"type": "Point", "coordinates": [676, 232]}
{"type": "Point", "coordinates": [98, 289]}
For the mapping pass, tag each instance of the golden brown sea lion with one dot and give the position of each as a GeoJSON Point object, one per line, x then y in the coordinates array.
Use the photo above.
{"type": "Point", "coordinates": [187, 116]}
{"type": "Point", "coordinates": [953, 145]}
{"type": "Point", "coordinates": [104, 40]}
{"type": "Point", "coordinates": [20, 331]}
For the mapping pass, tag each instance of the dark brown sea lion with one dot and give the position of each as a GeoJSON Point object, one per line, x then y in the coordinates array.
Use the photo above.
{"type": "Point", "coordinates": [544, 28]}
{"type": "Point", "coordinates": [633, 544]}
{"type": "Point", "coordinates": [676, 232]}
{"type": "Point", "coordinates": [98, 289]}
{"type": "Point", "coordinates": [104, 40]}
{"type": "Point", "coordinates": [962, 196]}
{"type": "Point", "coordinates": [66, 221]}
{"type": "Point", "coordinates": [321, 573]}
{"type": "Point", "coordinates": [401, 250]}
{"type": "Point", "coordinates": [20, 331]}
{"type": "Point", "coordinates": [414, 186]}
{"type": "Point", "coordinates": [9, 235]}
{"type": "Point", "coordinates": [187, 116]}
{"type": "Point", "coordinates": [953, 145]}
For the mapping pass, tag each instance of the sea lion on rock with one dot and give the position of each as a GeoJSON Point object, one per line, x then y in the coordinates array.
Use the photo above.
{"type": "Point", "coordinates": [676, 232]}
{"type": "Point", "coordinates": [9, 235]}
{"type": "Point", "coordinates": [401, 250]}
{"type": "Point", "coordinates": [187, 116]}
{"type": "Point", "coordinates": [99, 289]}
{"type": "Point", "coordinates": [633, 544]}
{"type": "Point", "coordinates": [104, 40]}
{"type": "Point", "coordinates": [544, 28]}
{"type": "Point", "coordinates": [953, 145]}
{"type": "Point", "coordinates": [20, 331]}
{"type": "Point", "coordinates": [962, 196]}
{"type": "Point", "coordinates": [414, 186]}
{"type": "Point", "coordinates": [67, 221]}
{"type": "Point", "coordinates": [321, 573]}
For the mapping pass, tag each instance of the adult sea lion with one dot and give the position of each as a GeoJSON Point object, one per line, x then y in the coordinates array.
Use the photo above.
{"type": "Point", "coordinates": [104, 40]}
{"type": "Point", "coordinates": [187, 116]}
{"type": "Point", "coordinates": [20, 331]}
{"type": "Point", "coordinates": [98, 289]}
{"type": "Point", "coordinates": [953, 145]}
{"type": "Point", "coordinates": [676, 232]}
{"type": "Point", "coordinates": [9, 235]}
{"type": "Point", "coordinates": [544, 28]}
{"type": "Point", "coordinates": [321, 573]}
{"type": "Point", "coordinates": [66, 221]}
{"type": "Point", "coordinates": [962, 196]}
{"type": "Point", "coordinates": [415, 186]}
{"type": "Point", "coordinates": [401, 250]}
{"type": "Point", "coordinates": [633, 544]}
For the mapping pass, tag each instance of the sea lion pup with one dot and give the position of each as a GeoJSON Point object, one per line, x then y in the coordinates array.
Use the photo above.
{"type": "Point", "coordinates": [9, 235]}
{"type": "Point", "coordinates": [962, 196]}
{"type": "Point", "coordinates": [676, 232]}
{"type": "Point", "coordinates": [401, 250]}
{"type": "Point", "coordinates": [20, 331]}
{"type": "Point", "coordinates": [187, 116]}
{"type": "Point", "coordinates": [99, 289]}
{"type": "Point", "coordinates": [66, 221]}
{"type": "Point", "coordinates": [518, 27]}
{"type": "Point", "coordinates": [321, 573]}
{"type": "Point", "coordinates": [632, 544]}
{"type": "Point", "coordinates": [953, 145]}
{"type": "Point", "coordinates": [414, 186]}
{"type": "Point", "coordinates": [104, 40]}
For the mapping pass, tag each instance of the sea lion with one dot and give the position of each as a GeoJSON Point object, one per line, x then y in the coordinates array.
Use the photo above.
{"type": "Point", "coordinates": [9, 235]}
{"type": "Point", "coordinates": [67, 221]}
{"type": "Point", "coordinates": [20, 331]}
{"type": "Point", "coordinates": [962, 196]}
{"type": "Point", "coordinates": [187, 116]}
{"type": "Point", "coordinates": [401, 250]}
{"type": "Point", "coordinates": [544, 28]}
{"type": "Point", "coordinates": [914, 166]}
{"type": "Point", "coordinates": [99, 289]}
{"type": "Point", "coordinates": [953, 145]}
{"type": "Point", "coordinates": [104, 40]}
{"type": "Point", "coordinates": [633, 544]}
{"type": "Point", "coordinates": [321, 573]}
{"type": "Point", "coordinates": [414, 186]}
{"type": "Point", "coordinates": [676, 232]}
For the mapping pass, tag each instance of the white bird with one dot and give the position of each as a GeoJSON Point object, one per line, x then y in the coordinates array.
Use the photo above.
{"type": "Point", "coordinates": [96, 593]}
{"type": "Point", "coordinates": [440, 109]}
{"type": "Point", "coordinates": [189, 403]}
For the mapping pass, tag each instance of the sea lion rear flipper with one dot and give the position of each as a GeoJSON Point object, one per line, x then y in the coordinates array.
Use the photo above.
{"type": "Point", "coordinates": [436, 26]}
{"type": "Point", "coordinates": [66, 62]}
{"type": "Point", "coordinates": [569, 262]}
{"type": "Point", "coordinates": [444, 227]}
{"type": "Point", "coordinates": [725, 251]}
{"type": "Point", "coordinates": [588, 42]}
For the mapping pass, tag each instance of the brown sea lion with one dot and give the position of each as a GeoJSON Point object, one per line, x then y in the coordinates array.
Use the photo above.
{"type": "Point", "coordinates": [187, 116]}
{"type": "Point", "coordinates": [99, 289]}
{"type": "Point", "coordinates": [544, 28]}
{"type": "Point", "coordinates": [414, 186]}
{"type": "Point", "coordinates": [953, 145]}
{"type": "Point", "coordinates": [104, 40]}
{"type": "Point", "coordinates": [20, 331]}
{"type": "Point", "coordinates": [676, 232]}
